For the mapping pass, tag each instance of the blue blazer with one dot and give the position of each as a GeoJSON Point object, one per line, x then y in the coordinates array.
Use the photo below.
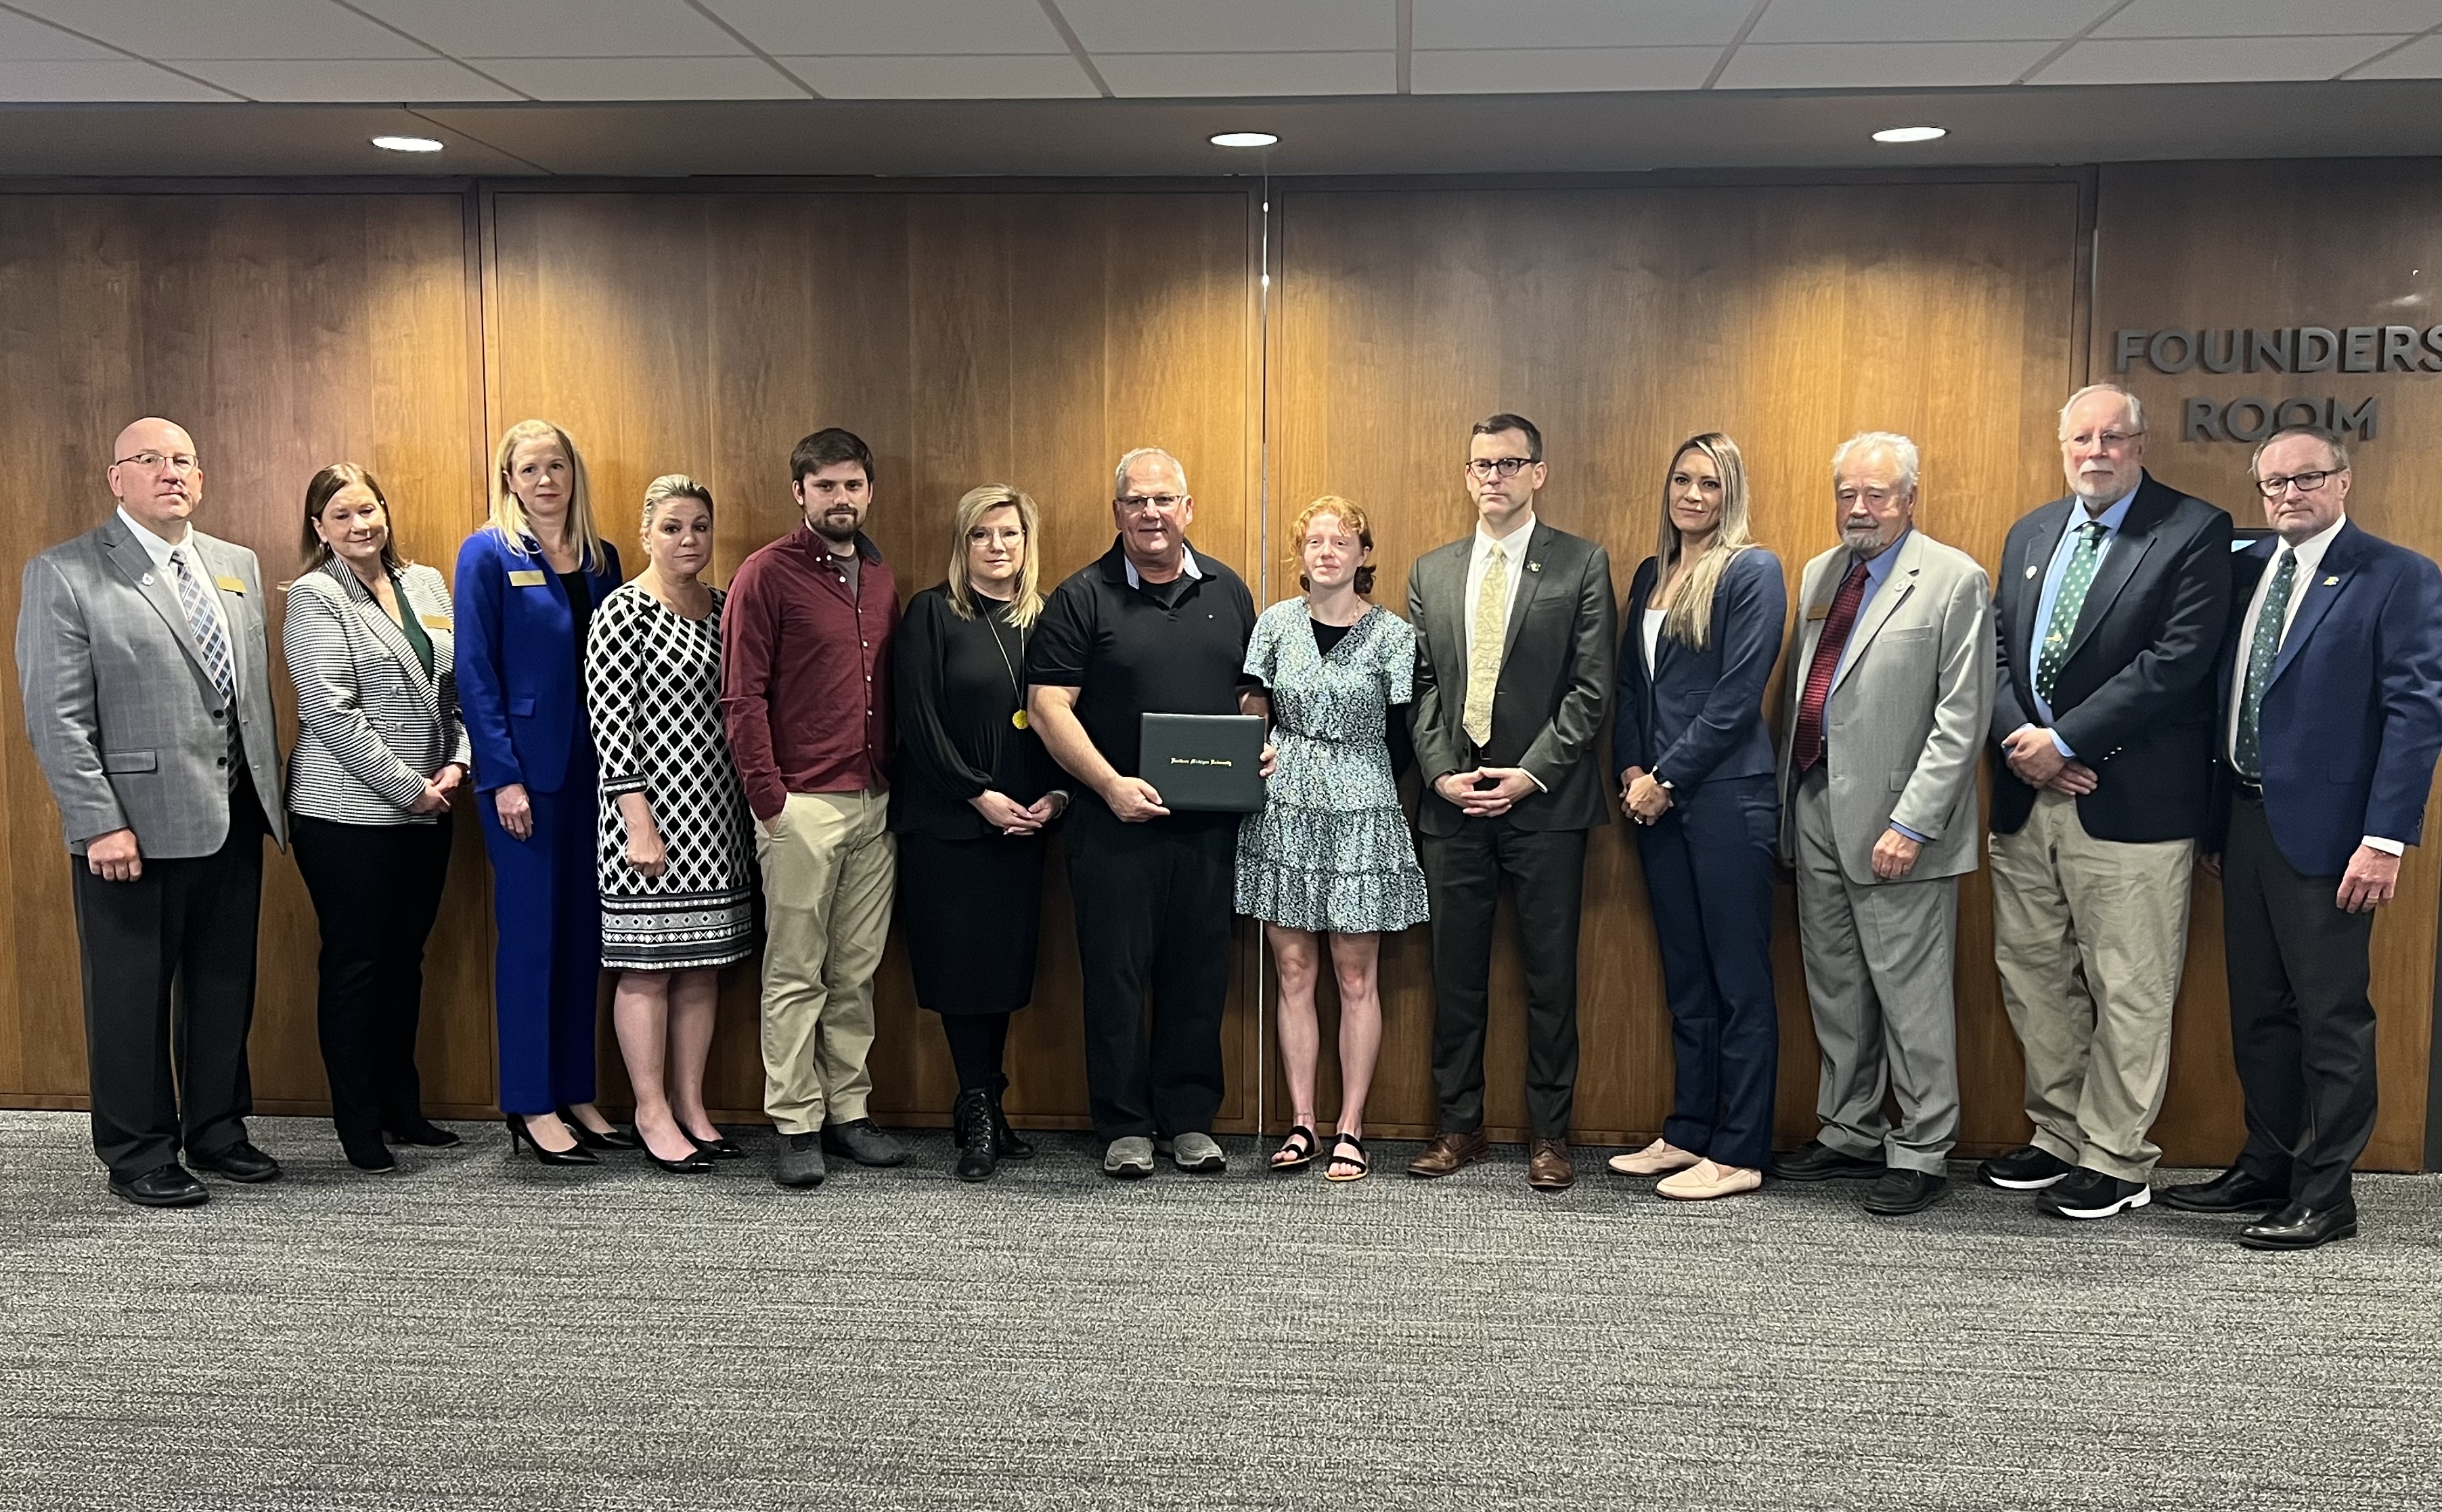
{"type": "Point", "coordinates": [517, 661]}
{"type": "Point", "coordinates": [1699, 714]}
{"type": "Point", "coordinates": [2351, 719]}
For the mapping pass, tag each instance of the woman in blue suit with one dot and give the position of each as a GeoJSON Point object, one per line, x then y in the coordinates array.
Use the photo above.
{"type": "Point", "coordinates": [1696, 762]}
{"type": "Point", "coordinates": [527, 586]}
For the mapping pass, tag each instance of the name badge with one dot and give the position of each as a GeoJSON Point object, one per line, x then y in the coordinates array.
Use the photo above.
{"type": "Point", "coordinates": [525, 577]}
{"type": "Point", "coordinates": [434, 622]}
{"type": "Point", "coordinates": [1820, 612]}
{"type": "Point", "coordinates": [230, 585]}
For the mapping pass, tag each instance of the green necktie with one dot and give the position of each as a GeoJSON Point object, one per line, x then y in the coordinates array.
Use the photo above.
{"type": "Point", "coordinates": [2248, 748]}
{"type": "Point", "coordinates": [2072, 598]}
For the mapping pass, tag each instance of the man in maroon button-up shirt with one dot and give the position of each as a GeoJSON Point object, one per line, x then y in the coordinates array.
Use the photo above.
{"type": "Point", "coordinates": [805, 691]}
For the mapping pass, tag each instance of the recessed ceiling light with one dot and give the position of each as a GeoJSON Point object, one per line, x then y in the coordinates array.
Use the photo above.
{"type": "Point", "coordinates": [1244, 138]}
{"type": "Point", "coordinates": [1912, 133]}
{"type": "Point", "coordinates": [407, 144]}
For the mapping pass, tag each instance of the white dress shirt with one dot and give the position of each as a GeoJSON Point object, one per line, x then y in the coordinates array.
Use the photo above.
{"type": "Point", "coordinates": [2310, 560]}
{"type": "Point", "coordinates": [1187, 567]}
{"type": "Point", "coordinates": [159, 551]}
{"type": "Point", "coordinates": [1479, 561]}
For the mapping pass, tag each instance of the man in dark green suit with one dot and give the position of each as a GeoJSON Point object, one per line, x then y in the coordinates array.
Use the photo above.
{"type": "Point", "coordinates": [1516, 631]}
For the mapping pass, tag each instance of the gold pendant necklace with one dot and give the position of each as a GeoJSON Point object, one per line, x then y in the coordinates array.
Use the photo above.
{"type": "Point", "coordinates": [1017, 716]}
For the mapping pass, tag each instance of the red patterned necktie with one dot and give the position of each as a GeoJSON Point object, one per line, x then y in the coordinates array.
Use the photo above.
{"type": "Point", "coordinates": [1835, 640]}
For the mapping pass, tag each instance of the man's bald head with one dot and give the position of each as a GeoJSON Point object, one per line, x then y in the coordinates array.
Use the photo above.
{"type": "Point", "coordinates": [154, 474]}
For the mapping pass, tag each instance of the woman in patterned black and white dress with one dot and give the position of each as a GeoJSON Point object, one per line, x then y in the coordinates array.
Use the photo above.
{"type": "Point", "coordinates": [673, 857]}
{"type": "Point", "coordinates": [1329, 852]}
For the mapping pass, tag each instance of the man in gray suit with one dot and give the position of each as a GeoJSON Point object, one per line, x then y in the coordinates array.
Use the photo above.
{"type": "Point", "coordinates": [1516, 628]}
{"type": "Point", "coordinates": [1888, 683]}
{"type": "Point", "coordinates": [145, 671]}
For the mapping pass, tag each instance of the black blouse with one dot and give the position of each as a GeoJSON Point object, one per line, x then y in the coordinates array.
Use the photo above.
{"type": "Point", "coordinates": [1394, 721]}
{"type": "Point", "coordinates": [957, 683]}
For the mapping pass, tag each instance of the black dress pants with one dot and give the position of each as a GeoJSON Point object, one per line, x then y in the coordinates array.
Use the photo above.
{"type": "Point", "coordinates": [377, 891]}
{"type": "Point", "coordinates": [169, 997]}
{"type": "Point", "coordinates": [1153, 907]}
{"type": "Point", "coordinates": [2302, 1025]}
{"type": "Point", "coordinates": [1546, 872]}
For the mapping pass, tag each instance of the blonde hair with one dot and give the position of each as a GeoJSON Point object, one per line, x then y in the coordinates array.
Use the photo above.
{"type": "Point", "coordinates": [1690, 619]}
{"type": "Point", "coordinates": [667, 487]}
{"type": "Point", "coordinates": [1028, 601]}
{"type": "Point", "coordinates": [1350, 515]}
{"type": "Point", "coordinates": [508, 515]}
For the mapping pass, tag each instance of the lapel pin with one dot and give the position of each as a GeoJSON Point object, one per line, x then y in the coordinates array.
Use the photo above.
{"type": "Point", "coordinates": [1534, 566]}
{"type": "Point", "coordinates": [2331, 582]}
{"type": "Point", "coordinates": [147, 579]}
{"type": "Point", "coordinates": [2030, 569]}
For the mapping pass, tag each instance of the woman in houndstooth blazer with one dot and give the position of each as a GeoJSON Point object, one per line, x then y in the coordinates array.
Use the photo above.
{"type": "Point", "coordinates": [379, 750]}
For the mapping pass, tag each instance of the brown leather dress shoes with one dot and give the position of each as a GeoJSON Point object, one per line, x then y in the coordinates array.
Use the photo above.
{"type": "Point", "coordinates": [1450, 1154]}
{"type": "Point", "coordinates": [1548, 1167]}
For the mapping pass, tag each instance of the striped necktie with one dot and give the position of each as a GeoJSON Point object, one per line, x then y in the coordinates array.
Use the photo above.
{"type": "Point", "coordinates": [206, 625]}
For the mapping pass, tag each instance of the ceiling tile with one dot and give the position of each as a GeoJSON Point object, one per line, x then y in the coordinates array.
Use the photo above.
{"type": "Point", "coordinates": [227, 28]}
{"type": "Point", "coordinates": [44, 81]}
{"type": "Point", "coordinates": [1925, 20]}
{"type": "Point", "coordinates": [1879, 64]}
{"type": "Point", "coordinates": [1232, 25]}
{"type": "Point", "coordinates": [26, 40]}
{"type": "Point", "coordinates": [641, 78]}
{"type": "Point", "coordinates": [2271, 18]}
{"type": "Point", "coordinates": [1036, 76]}
{"type": "Point", "coordinates": [1551, 70]}
{"type": "Point", "coordinates": [1526, 24]}
{"type": "Point", "coordinates": [2421, 59]}
{"type": "Point", "coordinates": [2209, 59]}
{"type": "Point", "coordinates": [418, 81]}
{"type": "Point", "coordinates": [926, 27]}
{"type": "Point", "coordinates": [558, 28]}
{"type": "Point", "coordinates": [1252, 75]}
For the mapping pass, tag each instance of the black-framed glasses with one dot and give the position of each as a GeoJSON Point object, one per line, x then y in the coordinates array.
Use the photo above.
{"type": "Point", "coordinates": [154, 461]}
{"type": "Point", "coordinates": [2274, 487]}
{"type": "Point", "coordinates": [1506, 466]}
{"type": "Point", "coordinates": [1164, 502]}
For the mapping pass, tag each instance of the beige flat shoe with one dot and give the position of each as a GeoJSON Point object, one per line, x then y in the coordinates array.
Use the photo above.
{"type": "Point", "coordinates": [1654, 1159]}
{"type": "Point", "coordinates": [1703, 1181]}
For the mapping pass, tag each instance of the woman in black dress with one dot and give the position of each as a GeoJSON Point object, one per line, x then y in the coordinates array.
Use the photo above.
{"type": "Point", "coordinates": [970, 799]}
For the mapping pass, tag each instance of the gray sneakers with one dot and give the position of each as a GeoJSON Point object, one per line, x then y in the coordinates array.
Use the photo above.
{"type": "Point", "coordinates": [1129, 1159]}
{"type": "Point", "coordinates": [1198, 1153]}
{"type": "Point", "coordinates": [801, 1161]}
{"type": "Point", "coordinates": [863, 1141]}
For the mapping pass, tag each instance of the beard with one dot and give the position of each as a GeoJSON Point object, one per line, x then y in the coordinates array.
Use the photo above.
{"type": "Point", "coordinates": [839, 525]}
{"type": "Point", "coordinates": [1863, 538]}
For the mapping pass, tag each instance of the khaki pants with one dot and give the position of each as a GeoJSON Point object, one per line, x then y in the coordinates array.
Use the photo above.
{"type": "Point", "coordinates": [2090, 936]}
{"type": "Point", "coordinates": [829, 864]}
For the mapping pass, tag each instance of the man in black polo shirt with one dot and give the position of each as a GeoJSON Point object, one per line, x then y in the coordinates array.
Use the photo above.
{"type": "Point", "coordinates": [1151, 628]}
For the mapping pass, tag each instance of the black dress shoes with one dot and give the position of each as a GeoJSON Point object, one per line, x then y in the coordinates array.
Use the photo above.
{"type": "Point", "coordinates": [2297, 1227]}
{"type": "Point", "coordinates": [164, 1185]}
{"type": "Point", "coordinates": [1817, 1161]}
{"type": "Point", "coordinates": [239, 1162]}
{"type": "Point", "coordinates": [614, 1138]}
{"type": "Point", "coordinates": [2233, 1190]}
{"type": "Point", "coordinates": [423, 1134]}
{"type": "Point", "coordinates": [1904, 1192]}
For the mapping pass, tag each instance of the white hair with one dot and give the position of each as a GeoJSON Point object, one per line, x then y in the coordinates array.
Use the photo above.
{"type": "Point", "coordinates": [2136, 408]}
{"type": "Point", "coordinates": [1120, 476]}
{"type": "Point", "coordinates": [1902, 452]}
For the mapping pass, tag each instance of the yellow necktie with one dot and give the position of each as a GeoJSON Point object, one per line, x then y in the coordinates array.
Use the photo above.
{"type": "Point", "coordinates": [1484, 656]}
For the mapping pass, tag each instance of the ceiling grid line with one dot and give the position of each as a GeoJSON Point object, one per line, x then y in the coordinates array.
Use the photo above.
{"type": "Point", "coordinates": [1406, 80]}
{"type": "Point", "coordinates": [1077, 48]}
{"type": "Point", "coordinates": [460, 130]}
{"type": "Point", "coordinates": [750, 46]}
{"type": "Point", "coordinates": [2062, 51]}
{"type": "Point", "coordinates": [130, 55]}
{"type": "Point", "coordinates": [1746, 29]}
{"type": "Point", "coordinates": [404, 35]}
{"type": "Point", "coordinates": [2401, 45]}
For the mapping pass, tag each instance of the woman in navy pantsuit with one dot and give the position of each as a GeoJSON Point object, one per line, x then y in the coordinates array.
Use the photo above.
{"type": "Point", "coordinates": [1703, 628]}
{"type": "Point", "coordinates": [527, 586]}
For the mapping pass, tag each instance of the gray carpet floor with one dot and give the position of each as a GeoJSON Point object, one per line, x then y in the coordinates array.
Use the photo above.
{"type": "Point", "coordinates": [481, 1334]}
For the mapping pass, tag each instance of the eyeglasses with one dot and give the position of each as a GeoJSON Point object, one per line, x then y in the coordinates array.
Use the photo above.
{"type": "Point", "coordinates": [155, 462]}
{"type": "Point", "coordinates": [2108, 440]}
{"type": "Point", "coordinates": [1163, 502]}
{"type": "Point", "coordinates": [1506, 466]}
{"type": "Point", "coordinates": [2274, 487]}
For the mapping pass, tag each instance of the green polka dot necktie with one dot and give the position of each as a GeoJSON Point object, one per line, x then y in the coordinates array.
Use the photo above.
{"type": "Point", "coordinates": [2072, 598]}
{"type": "Point", "coordinates": [2248, 748]}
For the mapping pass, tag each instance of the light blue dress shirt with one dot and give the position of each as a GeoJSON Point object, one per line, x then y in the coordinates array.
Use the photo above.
{"type": "Point", "coordinates": [2063, 551]}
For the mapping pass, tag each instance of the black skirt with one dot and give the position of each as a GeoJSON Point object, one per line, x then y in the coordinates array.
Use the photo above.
{"type": "Point", "coordinates": [973, 910]}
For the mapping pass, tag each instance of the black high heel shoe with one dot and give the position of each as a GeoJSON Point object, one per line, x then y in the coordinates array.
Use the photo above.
{"type": "Point", "coordinates": [518, 1133]}
{"type": "Point", "coordinates": [720, 1146]}
{"type": "Point", "coordinates": [618, 1139]}
{"type": "Point", "coordinates": [695, 1162]}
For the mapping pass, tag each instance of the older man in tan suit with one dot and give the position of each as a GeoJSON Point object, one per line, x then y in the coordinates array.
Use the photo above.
{"type": "Point", "coordinates": [1889, 681]}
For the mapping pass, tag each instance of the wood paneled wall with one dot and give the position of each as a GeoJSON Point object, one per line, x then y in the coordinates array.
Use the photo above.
{"type": "Point", "coordinates": [1029, 334]}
